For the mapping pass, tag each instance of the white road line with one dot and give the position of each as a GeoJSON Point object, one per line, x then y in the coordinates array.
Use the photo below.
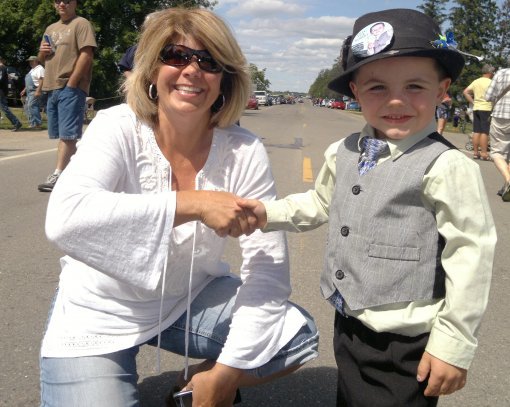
{"type": "Point", "coordinates": [13, 157]}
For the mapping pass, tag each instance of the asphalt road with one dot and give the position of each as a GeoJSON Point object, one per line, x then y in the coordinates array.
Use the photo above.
{"type": "Point", "coordinates": [293, 135]}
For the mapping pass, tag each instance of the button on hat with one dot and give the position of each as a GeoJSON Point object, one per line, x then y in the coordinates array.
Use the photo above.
{"type": "Point", "coordinates": [393, 33]}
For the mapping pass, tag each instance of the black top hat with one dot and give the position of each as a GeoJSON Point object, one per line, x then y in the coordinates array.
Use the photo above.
{"type": "Point", "coordinates": [394, 33]}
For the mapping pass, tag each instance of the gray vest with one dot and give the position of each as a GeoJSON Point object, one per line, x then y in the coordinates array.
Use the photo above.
{"type": "Point", "coordinates": [383, 244]}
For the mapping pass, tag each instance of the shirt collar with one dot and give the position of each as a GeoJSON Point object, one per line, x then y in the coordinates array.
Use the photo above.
{"type": "Point", "coordinates": [399, 147]}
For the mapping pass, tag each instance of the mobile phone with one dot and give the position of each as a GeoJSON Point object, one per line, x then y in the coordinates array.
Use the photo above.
{"type": "Point", "coordinates": [183, 398]}
{"type": "Point", "coordinates": [48, 39]}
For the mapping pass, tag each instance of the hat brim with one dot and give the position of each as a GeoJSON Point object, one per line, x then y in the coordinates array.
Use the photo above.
{"type": "Point", "coordinates": [451, 61]}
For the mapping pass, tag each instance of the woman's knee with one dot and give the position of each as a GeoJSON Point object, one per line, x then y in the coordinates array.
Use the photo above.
{"type": "Point", "coordinates": [107, 380]}
{"type": "Point", "coordinates": [302, 348]}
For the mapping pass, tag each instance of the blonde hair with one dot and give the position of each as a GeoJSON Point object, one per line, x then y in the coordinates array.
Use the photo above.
{"type": "Point", "coordinates": [164, 27]}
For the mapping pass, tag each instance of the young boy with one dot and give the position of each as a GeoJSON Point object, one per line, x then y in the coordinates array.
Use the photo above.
{"type": "Point", "coordinates": [411, 237]}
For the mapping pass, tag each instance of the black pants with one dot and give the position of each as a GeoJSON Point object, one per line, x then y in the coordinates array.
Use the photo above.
{"type": "Point", "coordinates": [378, 369]}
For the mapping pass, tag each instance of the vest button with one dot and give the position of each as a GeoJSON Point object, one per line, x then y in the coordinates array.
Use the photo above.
{"type": "Point", "coordinates": [356, 189]}
{"type": "Point", "coordinates": [344, 231]}
{"type": "Point", "coordinates": [339, 274]}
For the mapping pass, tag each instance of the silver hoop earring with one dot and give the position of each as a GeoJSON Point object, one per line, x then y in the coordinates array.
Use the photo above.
{"type": "Point", "coordinates": [153, 92]}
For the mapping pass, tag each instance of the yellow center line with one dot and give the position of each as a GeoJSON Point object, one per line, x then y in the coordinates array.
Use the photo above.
{"type": "Point", "coordinates": [307, 170]}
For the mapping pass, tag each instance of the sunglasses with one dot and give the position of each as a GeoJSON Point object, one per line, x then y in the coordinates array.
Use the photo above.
{"type": "Point", "coordinates": [179, 55]}
{"type": "Point", "coordinates": [66, 2]}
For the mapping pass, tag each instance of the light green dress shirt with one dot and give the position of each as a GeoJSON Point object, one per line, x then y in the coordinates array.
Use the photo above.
{"type": "Point", "coordinates": [454, 190]}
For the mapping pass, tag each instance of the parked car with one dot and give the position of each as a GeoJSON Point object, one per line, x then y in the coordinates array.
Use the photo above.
{"type": "Point", "coordinates": [353, 106]}
{"type": "Point", "coordinates": [337, 104]}
{"type": "Point", "coordinates": [261, 96]}
{"type": "Point", "coordinates": [253, 103]}
{"type": "Point", "coordinates": [15, 86]}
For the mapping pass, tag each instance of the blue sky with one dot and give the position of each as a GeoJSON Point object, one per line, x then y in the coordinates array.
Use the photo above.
{"type": "Point", "coordinates": [295, 39]}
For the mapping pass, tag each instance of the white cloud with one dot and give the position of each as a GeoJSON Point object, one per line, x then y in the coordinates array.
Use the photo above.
{"type": "Point", "coordinates": [277, 36]}
{"type": "Point", "coordinates": [263, 8]}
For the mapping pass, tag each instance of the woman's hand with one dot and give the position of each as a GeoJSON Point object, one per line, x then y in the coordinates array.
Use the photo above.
{"type": "Point", "coordinates": [217, 210]}
{"type": "Point", "coordinates": [215, 387]}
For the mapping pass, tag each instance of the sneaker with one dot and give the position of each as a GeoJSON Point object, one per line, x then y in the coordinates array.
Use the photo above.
{"type": "Point", "coordinates": [506, 193]}
{"type": "Point", "coordinates": [17, 127]}
{"type": "Point", "coordinates": [49, 184]}
{"type": "Point", "coordinates": [501, 190]}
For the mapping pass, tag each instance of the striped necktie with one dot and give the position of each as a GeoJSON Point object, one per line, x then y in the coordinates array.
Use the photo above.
{"type": "Point", "coordinates": [372, 148]}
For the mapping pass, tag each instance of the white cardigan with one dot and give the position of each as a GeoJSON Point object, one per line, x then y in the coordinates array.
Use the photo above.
{"type": "Point", "coordinates": [112, 213]}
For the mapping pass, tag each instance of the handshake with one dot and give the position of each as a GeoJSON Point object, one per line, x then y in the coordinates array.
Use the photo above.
{"type": "Point", "coordinates": [227, 214]}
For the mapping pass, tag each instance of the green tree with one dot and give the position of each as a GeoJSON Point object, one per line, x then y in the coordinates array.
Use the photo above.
{"type": "Point", "coordinates": [502, 41]}
{"type": "Point", "coordinates": [117, 25]}
{"type": "Point", "coordinates": [474, 25]}
{"type": "Point", "coordinates": [319, 87]}
{"type": "Point", "coordinates": [258, 77]}
{"type": "Point", "coordinates": [435, 9]}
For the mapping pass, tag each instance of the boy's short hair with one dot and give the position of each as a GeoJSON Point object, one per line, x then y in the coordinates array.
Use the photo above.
{"type": "Point", "coordinates": [413, 34]}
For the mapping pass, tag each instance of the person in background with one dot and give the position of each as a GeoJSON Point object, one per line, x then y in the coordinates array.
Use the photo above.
{"type": "Point", "coordinates": [33, 90]}
{"type": "Point", "coordinates": [443, 112]}
{"type": "Point", "coordinates": [4, 89]}
{"type": "Point", "coordinates": [411, 237]}
{"type": "Point", "coordinates": [135, 213]}
{"type": "Point", "coordinates": [126, 63]}
{"type": "Point", "coordinates": [475, 94]}
{"type": "Point", "coordinates": [67, 52]}
{"type": "Point", "coordinates": [499, 94]}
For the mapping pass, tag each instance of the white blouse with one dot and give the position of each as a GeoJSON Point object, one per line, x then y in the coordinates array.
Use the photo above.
{"type": "Point", "coordinates": [112, 214]}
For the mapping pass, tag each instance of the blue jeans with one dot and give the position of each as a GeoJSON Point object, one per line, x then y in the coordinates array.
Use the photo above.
{"type": "Point", "coordinates": [33, 109]}
{"type": "Point", "coordinates": [111, 380]}
{"type": "Point", "coordinates": [66, 111]}
{"type": "Point", "coordinates": [5, 107]}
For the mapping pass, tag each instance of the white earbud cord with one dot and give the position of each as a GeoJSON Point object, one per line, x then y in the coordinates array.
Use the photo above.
{"type": "Point", "coordinates": [188, 310]}
{"type": "Point", "coordinates": [188, 306]}
{"type": "Point", "coordinates": [163, 283]}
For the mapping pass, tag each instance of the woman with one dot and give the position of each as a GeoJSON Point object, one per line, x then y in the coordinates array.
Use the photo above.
{"type": "Point", "coordinates": [124, 212]}
{"type": "Point", "coordinates": [443, 112]}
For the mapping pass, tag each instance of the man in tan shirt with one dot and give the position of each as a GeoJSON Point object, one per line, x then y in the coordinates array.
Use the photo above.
{"type": "Point", "coordinates": [67, 52]}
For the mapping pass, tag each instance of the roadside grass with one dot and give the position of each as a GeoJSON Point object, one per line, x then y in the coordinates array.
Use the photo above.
{"type": "Point", "coordinates": [19, 112]}
{"type": "Point", "coordinates": [450, 129]}
{"type": "Point", "coordinates": [5, 124]}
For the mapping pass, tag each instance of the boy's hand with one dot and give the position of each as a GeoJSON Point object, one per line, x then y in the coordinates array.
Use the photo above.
{"type": "Point", "coordinates": [215, 209]}
{"type": "Point", "coordinates": [221, 212]}
{"type": "Point", "coordinates": [443, 378]}
{"type": "Point", "coordinates": [257, 208]}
